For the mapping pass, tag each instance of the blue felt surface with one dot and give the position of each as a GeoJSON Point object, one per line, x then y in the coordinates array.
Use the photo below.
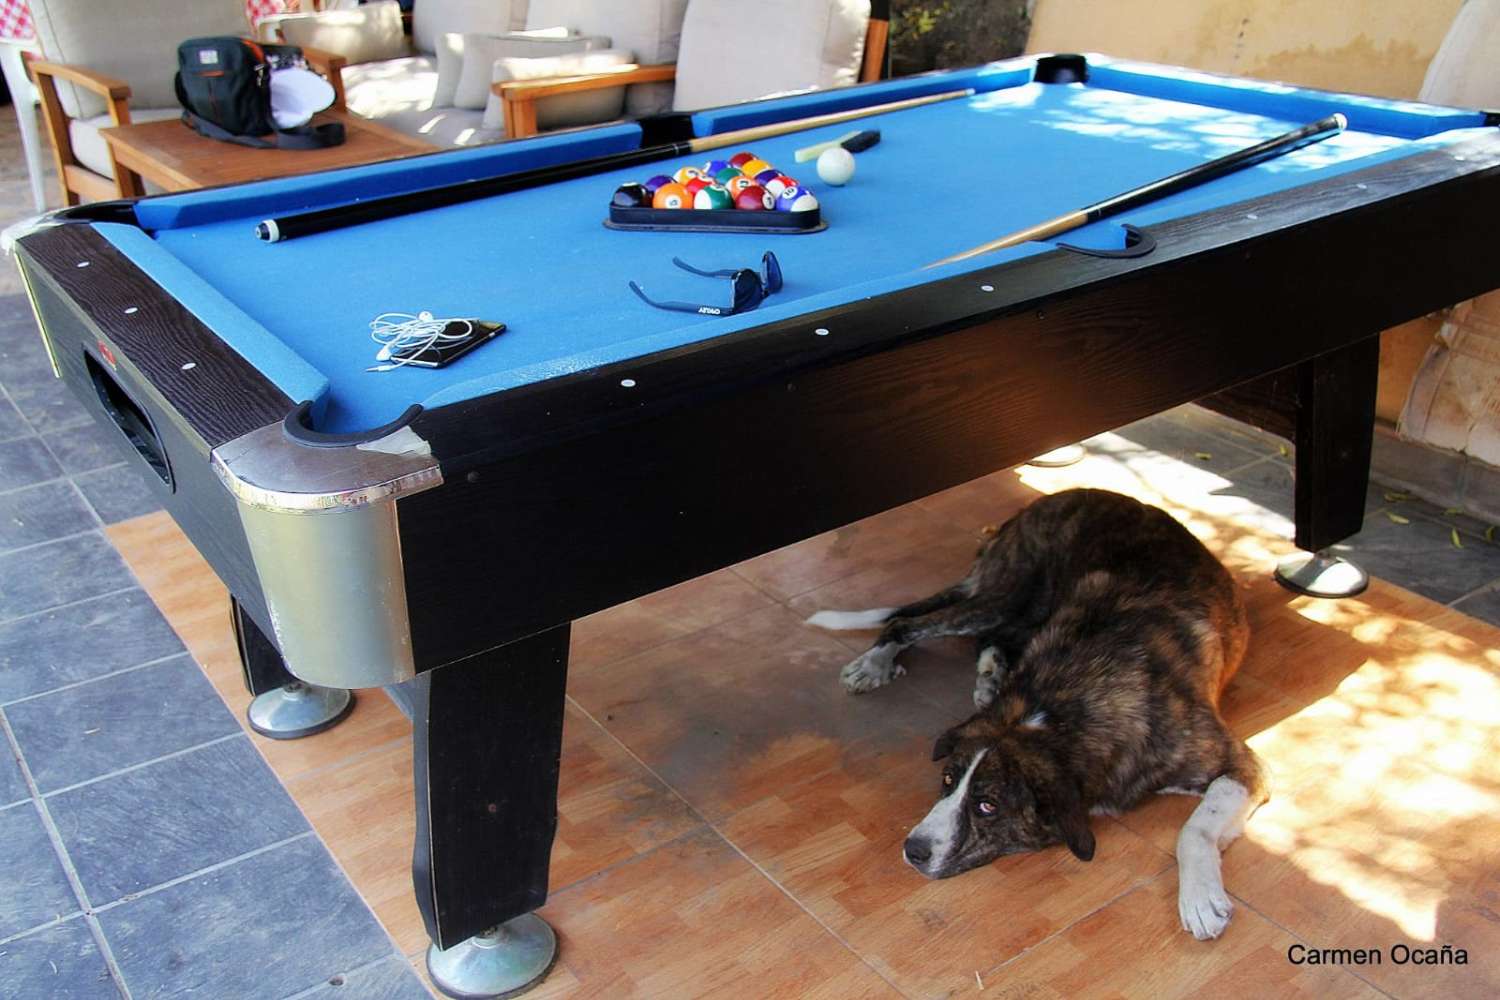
{"type": "Point", "coordinates": [946, 177]}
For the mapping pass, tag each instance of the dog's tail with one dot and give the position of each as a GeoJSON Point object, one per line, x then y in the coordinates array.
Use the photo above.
{"type": "Point", "coordinates": [848, 621]}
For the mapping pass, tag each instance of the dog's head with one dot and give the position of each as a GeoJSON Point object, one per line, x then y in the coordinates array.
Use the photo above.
{"type": "Point", "coordinates": [1002, 792]}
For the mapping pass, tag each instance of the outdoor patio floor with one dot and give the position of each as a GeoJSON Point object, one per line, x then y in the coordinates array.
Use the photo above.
{"type": "Point", "coordinates": [714, 840]}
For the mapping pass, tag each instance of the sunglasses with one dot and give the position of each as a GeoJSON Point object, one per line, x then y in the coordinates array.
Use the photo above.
{"type": "Point", "coordinates": [750, 289]}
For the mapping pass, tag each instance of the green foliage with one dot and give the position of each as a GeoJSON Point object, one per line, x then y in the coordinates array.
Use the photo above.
{"type": "Point", "coordinates": [939, 34]}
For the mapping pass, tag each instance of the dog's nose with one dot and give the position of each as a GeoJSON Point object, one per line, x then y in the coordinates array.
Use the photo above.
{"type": "Point", "coordinates": [918, 850]}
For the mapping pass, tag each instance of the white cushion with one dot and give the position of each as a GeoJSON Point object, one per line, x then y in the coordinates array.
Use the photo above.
{"type": "Point", "coordinates": [723, 58]}
{"type": "Point", "coordinates": [444, 127]}
{"type": "Point", "coordinates": [649, 28]}
{"type": "Point", "coordinates": [1466, 70]}
{"type": "Point", "coordinates": [381, 89]}
{"type": "Point", "coordinates": [587, 107]}
{"type": "Point", "coordinates": [450, 66]}
{"type": "Point", "coordinates": [365, 34]}
{"type": "Point", "coordinates": [134, 40]}
{"type": "Point", "coordinates": [88, 145]}
{"type": "Point", "coordinates": [431, 18]}
{"type": "Point", "coordinates": [481, 52]}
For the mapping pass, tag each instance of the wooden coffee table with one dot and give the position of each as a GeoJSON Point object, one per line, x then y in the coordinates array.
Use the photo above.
{"type": "Point", "coordinates": [174, 157]}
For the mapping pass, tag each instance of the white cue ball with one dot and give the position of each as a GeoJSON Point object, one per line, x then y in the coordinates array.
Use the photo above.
{"type": "Point", "coordinates": [836, 166]}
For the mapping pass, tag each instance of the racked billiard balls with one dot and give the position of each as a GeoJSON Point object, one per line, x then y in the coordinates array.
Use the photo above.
{"type": "Point", "coordinates": [727, 174]}
{"type": "Point", "coordinates": [754, 199]}
{"type": "Point", "coordinates": [740, 159]}
{"type": "Point", "coordinates": [654, 184]}
{"type": "Point", "coordinates": [712, 167]}
{"type": "Point", "coordinates": [753, 167]}
{"type": "Point", "coordinates": [672, 195]}
{"type": "Point", "coordinates": [766, 176]}
{"type": "Point", "coordinates": [713, 197]}
{"type": "Point", "coordinates": [631, 196]}
{"type": "Point", "coordinates": [686, 174]}
{"type": "Point", "coordinates": [779, 183]}
{"type": "Point", "coordinates": [696, 184]}
{"type": "Point", "coordinates": [738, 184]}
{"type": "Point", "coordinates": [795, 199]}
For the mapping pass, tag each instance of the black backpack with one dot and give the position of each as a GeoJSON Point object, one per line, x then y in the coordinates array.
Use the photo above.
{"type": "Point", "coordinates": [224, 87]}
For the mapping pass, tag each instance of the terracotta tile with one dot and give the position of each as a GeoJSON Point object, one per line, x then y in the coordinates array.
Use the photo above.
{"type": "Point", "coordinates": [1135, 947]}
{"type": "Point", "coordinates": [834, 844]}
{"type": "Point", "coordinates": [988, 500]}
{"type": "Point", "coordinates": [891, 536]}
{"type": "Point", "coordinates": [694, 919]}
{"type": "Point", "coordinates": [609, 810]}
{"type": "Point", "coordinates": [746, 709]}
{"type": "Point", "coordinates": [638, 625]}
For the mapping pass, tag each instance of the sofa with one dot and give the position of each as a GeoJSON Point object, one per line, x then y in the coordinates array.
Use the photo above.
{"type": "Point", "coordinates": [436, 84]}
{"type": "Point", "coordinates": [476, 71]}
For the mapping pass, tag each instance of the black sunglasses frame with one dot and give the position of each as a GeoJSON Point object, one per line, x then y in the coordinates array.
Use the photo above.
{"type": "Point", "coordinates": [749, 288]}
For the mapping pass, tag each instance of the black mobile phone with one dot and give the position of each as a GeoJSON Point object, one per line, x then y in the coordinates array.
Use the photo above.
{"type": "Point", "coordinates": [444, 352]}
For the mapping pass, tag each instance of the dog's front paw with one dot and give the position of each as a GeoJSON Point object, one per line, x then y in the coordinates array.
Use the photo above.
{"type": "Point", "coordinates": [986, 689]}
{"type": "Point", "coordinates": [870, 671]}
{"type": "Point", "coordinates": [1205, 908]}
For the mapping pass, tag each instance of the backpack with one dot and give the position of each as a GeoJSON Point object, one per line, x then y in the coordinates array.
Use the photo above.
{"type": "Point", "coordinates": [224, 87]}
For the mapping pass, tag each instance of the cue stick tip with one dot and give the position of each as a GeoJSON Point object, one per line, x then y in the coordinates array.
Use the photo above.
{"type": "Point", "coordinates": [1340, 121]}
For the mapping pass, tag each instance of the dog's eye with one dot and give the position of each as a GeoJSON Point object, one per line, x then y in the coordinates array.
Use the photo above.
{"type": "Point", "coordinates": [986, 807]}
{"type": "Point", "coordinates": [947, 779]}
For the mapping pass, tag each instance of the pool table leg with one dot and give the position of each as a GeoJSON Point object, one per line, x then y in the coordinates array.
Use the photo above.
{"type": "Point", "coordinates": [1335, 428]}
{"type": "Point", "coordinates": [284, 708]}
{"type": "Point", "coordinates": [487, 748]}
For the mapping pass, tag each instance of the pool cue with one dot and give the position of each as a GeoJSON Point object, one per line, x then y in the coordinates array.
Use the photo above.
{"type": "Point", "coordinates": [359, 213]}
{"type": "Point", "coordinates": [1191, 177]}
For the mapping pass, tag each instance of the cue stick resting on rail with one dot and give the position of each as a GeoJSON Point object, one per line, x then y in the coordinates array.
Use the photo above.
{"type": "Point", "coordinates": [1191, 177]}
{"type": "Point", "coordinates": [376, 209]}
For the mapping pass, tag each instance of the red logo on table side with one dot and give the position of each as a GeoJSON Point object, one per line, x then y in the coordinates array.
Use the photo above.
{"type": "Point", "coordinates": [106, 353]}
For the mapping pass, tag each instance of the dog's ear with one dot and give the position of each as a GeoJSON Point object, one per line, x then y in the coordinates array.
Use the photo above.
{"type": "Point", "coordinates": [1060, 804]}
{"type": "Point", "coordinates": [945, 743]}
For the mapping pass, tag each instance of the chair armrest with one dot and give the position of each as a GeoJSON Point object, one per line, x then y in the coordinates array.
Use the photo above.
{"type": "Point", "coordinates": [531, 90]}
{"type": "Point", "coordinates": [107, 87]}
{"type": "Point", "coordinates": [268, 28]}
{"type": "Point", "coordinates": [518, 97]}
{"type": "Point", "coordinates": [331, 65]}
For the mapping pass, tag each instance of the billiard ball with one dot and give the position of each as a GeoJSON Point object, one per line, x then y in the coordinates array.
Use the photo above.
{"type": "Point", "coordinates": [727, 174]}
{"type": "Point", "coordinates": [672, 195]}
{"type": "Point", "coordinates": [686, 174]}
{"type": "Point", "coordinates": [766, 176]}
{"type": "Point", "coordinates": [754, 199]}
{"type": "Point", "coordinates": [778, 184]}
{"type": "Point", "coordinates": [740, 159]}
{"type": "Point", "coordinates": [836, 166]}
{"type": "Point", "coordinates": [712, 167]}
{"type": "Point", "coordinates": [738, 184]}
{"type": "Point", "coordinates": [695, 185]}
{"type": "Point", "coordinates": [713, 197]}
{"type": "Point", "coordinates": [753, 167]}
{"type": "Point", "coordinates": [795, 199]}
{"type": "Point", "coordinates": [654, 184]}
{"type": "Point", "coordinates": [631, 196]}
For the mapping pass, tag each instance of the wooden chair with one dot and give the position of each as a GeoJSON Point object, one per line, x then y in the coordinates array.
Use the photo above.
{"type": "Point", "coordinates": [520, 97]}
{"type": "Point", "coordinates": [136, 39]}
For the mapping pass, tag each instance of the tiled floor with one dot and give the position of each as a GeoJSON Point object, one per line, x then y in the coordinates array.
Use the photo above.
{"type": "Point", "coordinates": [149, 848]}
{"type": "Point", "coordinates": [146, 849]}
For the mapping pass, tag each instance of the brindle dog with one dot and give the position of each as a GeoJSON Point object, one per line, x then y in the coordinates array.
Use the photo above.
{"type": "Point", "coordinates": [1106, 633]}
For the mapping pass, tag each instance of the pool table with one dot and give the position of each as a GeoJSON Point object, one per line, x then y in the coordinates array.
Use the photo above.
{"type": "Point", "coordinates": [444, 526]}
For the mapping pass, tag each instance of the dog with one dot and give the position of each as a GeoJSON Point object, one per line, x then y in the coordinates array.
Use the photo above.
{"type": "Point", "coordinates": [1105, 634]}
